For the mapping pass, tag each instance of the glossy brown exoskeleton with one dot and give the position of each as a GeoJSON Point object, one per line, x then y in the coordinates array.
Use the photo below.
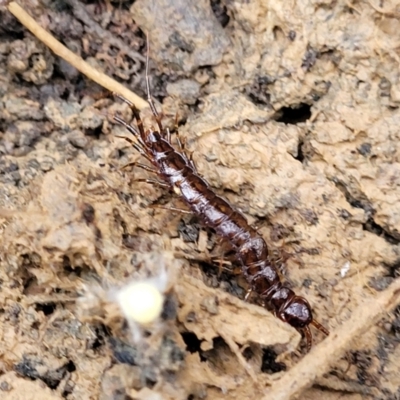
{"type": "Point", "coordinates": [178, 172]}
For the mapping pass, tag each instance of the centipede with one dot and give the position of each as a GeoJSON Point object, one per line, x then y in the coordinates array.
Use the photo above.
{"type": "Point", "coordinates": [178, 173]}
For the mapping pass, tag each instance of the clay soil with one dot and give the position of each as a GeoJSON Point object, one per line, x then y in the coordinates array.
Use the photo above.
{"type": "Point", "coordinates": [291, 112]}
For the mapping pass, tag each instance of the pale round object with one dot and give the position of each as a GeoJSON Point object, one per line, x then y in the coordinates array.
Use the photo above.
{"type": "Point", "coordinates": [141, 302]}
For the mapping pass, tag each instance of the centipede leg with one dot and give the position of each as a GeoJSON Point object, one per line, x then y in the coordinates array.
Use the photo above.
{"type": "Point", "coordinates": [143, 166]}
{"type": "Point", "coordinates": [139, 134]}
{"type": "Point", "coordinates": [180, 145]}
{"type": "Point", "coordinates": [176, 127]}
{"type": "Point", "coordinates": [171, 209]}
{"type": "Point", "coordinates": [136, 146]}
{"type": "Point", "coordinates": [232, 270]}
{"type": "Point", "coordinates": [153, 182]}
{"type": "Point", "coordinates": [182, 149]}
{"type": "Point", "coordinates": [192, 164]}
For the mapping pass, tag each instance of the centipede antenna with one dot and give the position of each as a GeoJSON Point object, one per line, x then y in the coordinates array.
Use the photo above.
{"type": "Point", "coordinates": [130, 128]}
{"type": "Point", "coordinates": [124, 99]}
{"type": "Point", "coordinates": [149, 99]}
{"type": "Point", "coordinates": [320, 327]}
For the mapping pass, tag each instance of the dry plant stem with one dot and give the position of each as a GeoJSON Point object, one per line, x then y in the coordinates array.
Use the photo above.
{"type": "Point", "coordinates": [73, 59]}
{"type": "Point", "coordinates": [319, 360]}
{"type": "Point", "coordinates": [235, 349]}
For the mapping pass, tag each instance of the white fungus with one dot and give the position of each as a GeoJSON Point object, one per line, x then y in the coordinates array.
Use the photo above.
{"type": "Point", "coordinates": [141, 302]}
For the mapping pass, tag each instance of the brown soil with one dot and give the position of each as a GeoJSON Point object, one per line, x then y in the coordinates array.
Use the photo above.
{"type": "Point", "coordinates": [291, 111]}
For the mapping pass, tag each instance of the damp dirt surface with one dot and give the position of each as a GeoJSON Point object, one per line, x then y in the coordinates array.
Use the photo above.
{"type": "Point", "coordinates": [290, 111]}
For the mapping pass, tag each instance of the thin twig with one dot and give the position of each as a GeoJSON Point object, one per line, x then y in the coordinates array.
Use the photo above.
{"type": "Point", "coordinates": [236, 350]}
{"type": "Point", "coordinates": [319, 360]}
{"type": "Point", "coordinates": [66, 54]}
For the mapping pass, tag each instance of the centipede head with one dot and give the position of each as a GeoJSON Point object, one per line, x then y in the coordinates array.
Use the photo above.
{"type": "Point", "coordinates": [298, 314]}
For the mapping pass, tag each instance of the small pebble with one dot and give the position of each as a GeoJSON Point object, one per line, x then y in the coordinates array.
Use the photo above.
{"type": "Point", "coordinates": [186, 89]}
{"type": "Point", "coordinates": [78, 139]}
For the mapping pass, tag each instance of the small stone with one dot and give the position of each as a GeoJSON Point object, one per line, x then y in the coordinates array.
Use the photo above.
{"type": "Point", "coordinates": [21, 151]}
{"type": "Point", "coordinates": [24, 109]}
{"type": "Point", "coordinates": [64, 115]}
{"type": "Point", "coordinates": [5, 386]}
{"type": "Point", "coordinates": [90, 118]}
{"type": "Point", "coordinates": [210, 304]}
{"type": "Point", "coordinates": [78, 139]}
{"type": "Point", "coordinates": [18, 59]}
{"type": "Point", "coordinates": [28, 132]}
{"type": "Point", "coordinates": [186, 90]}
{"type": "Point", "coordinates": [46, 164]}
{"type": "Point", "coordinates": [33, 163]}
{"type": "Point", "coordinates": [70, 72]}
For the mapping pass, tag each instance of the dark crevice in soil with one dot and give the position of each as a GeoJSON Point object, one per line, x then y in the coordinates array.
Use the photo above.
{"type": "Point", "coordinates": [100, 340]}
{"type": "Point", "coordinates": [28, 281]}
{"type": "Point", "coordinates": [370, 225]}
{"type": "Point", "coordinates": [373, 227]}
{"type": "Point", "coordinates": [395, 328]}
{"type": "Point", "coordinates": [300, 154]}
{"type": "Point", "coordinates": [220, 12]}
{"type": "Point", "coordinates": [295, 114]}
{"type": "Point", "coordinates": [46, 308]}
{"type": "Point", "coordinates": [269, 364]}
{"type": "Point", "coordinates": [10, 28]}
{"type": "Point", "coordinates": [70, 366]}
{"type": "Point", "coordinates": [94, 132]}
{"type": "Point", "coordinates": [380, 283]}
{"type": "Point", "coordinates": [193, 343]}
{"type": "Point", "coordinates": [394, 274]}
{"type": "Point", "coordinates": [78, 271]}
{"type": "Point", "coordinates": [31, 368]}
